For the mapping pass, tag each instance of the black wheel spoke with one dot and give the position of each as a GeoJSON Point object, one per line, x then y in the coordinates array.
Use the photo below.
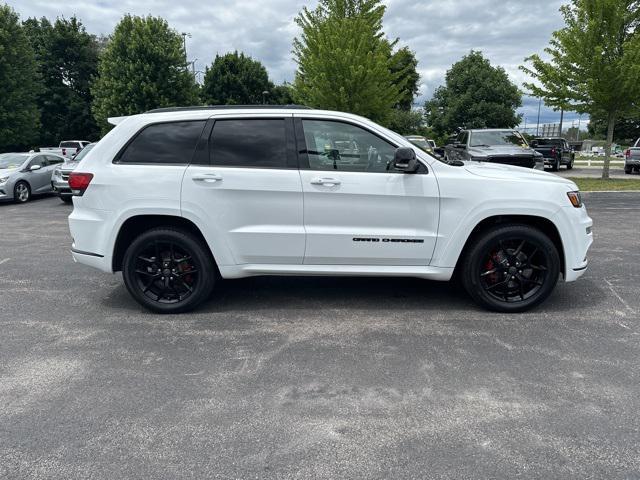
{"type": "Point", "coordinates": [161, 269]}
{"type": "Point", "coordinates": [519, 249]}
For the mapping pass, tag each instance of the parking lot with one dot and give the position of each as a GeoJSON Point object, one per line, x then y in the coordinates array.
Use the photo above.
{"type": "Point", "coordinates": [315, 377]}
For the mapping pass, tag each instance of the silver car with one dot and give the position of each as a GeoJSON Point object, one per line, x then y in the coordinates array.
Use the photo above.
{"type": "Point", "coordinates": [23, 175]}
{"type": "Point", "coordinates": [60, 178]}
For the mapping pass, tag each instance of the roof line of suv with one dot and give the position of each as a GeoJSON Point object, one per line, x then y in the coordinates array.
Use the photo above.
{"type": "Point", "coordinates": [228, 107]}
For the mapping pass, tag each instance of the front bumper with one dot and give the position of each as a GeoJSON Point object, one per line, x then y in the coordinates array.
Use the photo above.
{"type": "Point", "coordinates": [6, 191]}
{"type": "Point", "coordinates": [576, 231]}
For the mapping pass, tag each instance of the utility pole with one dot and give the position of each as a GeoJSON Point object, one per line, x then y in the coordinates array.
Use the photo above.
{"type": "Point", "coordinates": [561, 118]}
{"type": "Point", "coordinates": [538, 122]}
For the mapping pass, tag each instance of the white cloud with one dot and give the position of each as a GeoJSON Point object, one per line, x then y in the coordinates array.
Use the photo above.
{"type": "Point", "coordinates": [440, 32]}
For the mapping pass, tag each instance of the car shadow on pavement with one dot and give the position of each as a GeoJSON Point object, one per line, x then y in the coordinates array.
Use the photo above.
{"type": "Point", "coordinates": [341, 294]}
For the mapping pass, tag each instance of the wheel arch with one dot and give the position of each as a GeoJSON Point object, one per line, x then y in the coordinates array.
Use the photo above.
{"type": "Point", "coordinates": [137, 224]}
{"type": "Point", "coordinates": [543, 224]}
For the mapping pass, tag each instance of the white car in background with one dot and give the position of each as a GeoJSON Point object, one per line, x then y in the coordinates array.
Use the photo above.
{"type": "Point", "coordinates": [177, 198]}
{"type": "Point", "coordinates": [67, 148]}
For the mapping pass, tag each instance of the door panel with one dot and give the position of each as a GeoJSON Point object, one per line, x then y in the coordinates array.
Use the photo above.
{"type": "Point", "coordinates": [40, 180]}
{"type": "Point", "coordinates": [357, 209]}
{"type": "Point", "coordinates": [256, 212]}
{"type": "Point", "coordinates": [370, 218]}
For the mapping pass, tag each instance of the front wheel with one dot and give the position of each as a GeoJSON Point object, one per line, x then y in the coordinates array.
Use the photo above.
{"type": "Point", "coordinates": [21, 192]}
{"type": "Point", "coordinates": [628, 170]}
{"type": "Point", "coordinates": [511, 268]}
{"type": "Point", "coordinates": [168, 270]}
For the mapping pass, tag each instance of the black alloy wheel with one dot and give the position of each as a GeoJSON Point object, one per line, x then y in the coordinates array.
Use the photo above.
{"type": "Point", "coordinates": [511, 268]}
{"type": "Point", "coordinates": [168, 271]}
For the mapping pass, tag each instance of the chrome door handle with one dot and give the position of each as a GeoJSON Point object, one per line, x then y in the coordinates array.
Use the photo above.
{"type": "Point", "coordinates": [207, 177]}
{"type": "Point", "coordinates": [329, 182]}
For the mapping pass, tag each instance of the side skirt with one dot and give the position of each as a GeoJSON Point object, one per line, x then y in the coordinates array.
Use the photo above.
{"type": "Point", "coordinates": [250, 270]}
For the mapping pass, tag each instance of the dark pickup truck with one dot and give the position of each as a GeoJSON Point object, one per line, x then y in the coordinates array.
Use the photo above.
{"type": "Point", "coordinates": [555, 150]}
{"type": "Point", "coordinates": [632, 158]}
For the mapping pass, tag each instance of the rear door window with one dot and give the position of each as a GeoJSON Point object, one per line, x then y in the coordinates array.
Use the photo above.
{"type": "Point", "coordinates": [251, 143]}
{"type": "Point", "coordinates": [170, 143]}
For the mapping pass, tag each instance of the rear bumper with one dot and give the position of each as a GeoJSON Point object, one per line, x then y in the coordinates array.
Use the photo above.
{"type": "Point", "coordinates": [91, 233]}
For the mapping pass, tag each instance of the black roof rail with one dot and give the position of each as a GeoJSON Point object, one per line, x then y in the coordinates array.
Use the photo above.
{"type": "Point", "coordinates": [227, 107]}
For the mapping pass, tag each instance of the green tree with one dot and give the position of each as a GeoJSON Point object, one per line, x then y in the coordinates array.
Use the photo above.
{"type": "Point", "coordinates": [404, 64]}
{"type": "Point", "coordinates": [67, 58]}
{"type": "Point", "coordinates": [235, 79]}
{"type": "Point", "coordinates": [19, 118]}
{"type": "Point", "coordinates": [281, 95]}
{"type": "Point", "coordinates": [142, 67]}
{"type": "Point", "coordinates": [405, 122]}
{"type": "Point", "coordinates": [475, 95]}
{"type": "Point", "coordinates": [626, 130]}
{"type": "Point", "coordinates": [344, 60]}
{"type": "Point", "coordinates": [594, 63]}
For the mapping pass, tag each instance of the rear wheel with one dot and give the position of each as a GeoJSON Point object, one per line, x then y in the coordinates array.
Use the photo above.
{"type": "Point", "coordinates": [570, 164]}
{"type": "Point", "coordinates": [66, 199]}
{"type": "Point", "coordinates": [168, 270]}
{"type": "Point", "coordinates": [511, 268]}
{"type": "Point", "coordinates": [628, 170]}
{"type": "Point", "coordinates": [21, 192]}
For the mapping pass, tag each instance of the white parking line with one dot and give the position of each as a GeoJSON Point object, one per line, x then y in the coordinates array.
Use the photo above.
{"type": "Point", "coordinates": [619, 297]}
{"type": "Point", "coordinates": [4, 260]}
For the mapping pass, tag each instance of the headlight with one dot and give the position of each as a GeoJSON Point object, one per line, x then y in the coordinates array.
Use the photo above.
{"type": "Point", "coordinates": [575, 198]}
{"type": "Point", "coordinates": [4, 179]}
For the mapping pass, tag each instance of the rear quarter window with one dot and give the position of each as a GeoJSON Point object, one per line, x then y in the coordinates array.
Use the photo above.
{"type": "Point", "coordinates": [163, 143]}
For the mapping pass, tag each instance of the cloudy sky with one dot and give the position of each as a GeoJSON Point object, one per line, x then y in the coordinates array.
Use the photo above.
{"type": "Point", "coordinates": [440, 32]}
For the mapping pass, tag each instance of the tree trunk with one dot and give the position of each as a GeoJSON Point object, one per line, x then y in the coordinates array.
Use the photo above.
{"type": "Point", "coordinates": [611, 121]}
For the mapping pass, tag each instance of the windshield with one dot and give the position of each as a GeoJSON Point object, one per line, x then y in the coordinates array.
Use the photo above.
{"type": "Point", "coordinates": [492, 138]}
{"type": "Point", "coordinates": [419, 142]}
{"type": "Point", "coordinates": [554, 142]}
{"type": "Point", "coordinates": [69, 144]}
{"type": "Point", "coordinates": [83, 152]}
{"type": "Point", "coordinates": [12, 160]}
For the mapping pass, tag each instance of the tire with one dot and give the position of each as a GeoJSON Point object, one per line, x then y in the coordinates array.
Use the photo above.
{"type": "Point", "coordinates": [570, 164]}
{"type": "Point", "coordinates": [523, 256]}
{"type": "Point", "coordinates": [67, 199]}
{"type": "Point", "coordinates": [182, 280]}
{"type": "Point", "coordinates": [628, 170]}
{"type": "Point", "coordinates": [21, 192]}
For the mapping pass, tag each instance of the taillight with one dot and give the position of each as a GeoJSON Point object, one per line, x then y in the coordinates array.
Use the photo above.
{"type": "Point", "coordinates": [78, 182]}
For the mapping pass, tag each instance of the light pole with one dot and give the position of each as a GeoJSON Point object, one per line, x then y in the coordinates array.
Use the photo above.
{"type": "Point", "coordinates": [184, 42]}
{"type": "Point", "coordinates": [264, 97]}
{"type": "Point", "coordinates": [538, 122]}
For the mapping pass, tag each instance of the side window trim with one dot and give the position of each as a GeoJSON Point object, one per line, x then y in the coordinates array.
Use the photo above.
{"type": "Point", "coordinates": [118, 156]}
{"type": "Point", "coordinates": [292, 162]}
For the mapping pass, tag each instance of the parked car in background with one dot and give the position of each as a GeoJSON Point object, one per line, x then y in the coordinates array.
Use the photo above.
{"type": "Point", "coordinates": [67, 148]}
{"type": "Point", "coordinates": [60, 177]}
{"type": "Point", "coordinates": [177, 198]}
{"type": "Point", "coordinates": [555, 150]}
{"type": "Point", "coordinates": [23, 175]}
{"type": "Point", "coordinates": [504, 146]}
{"type": "Point", "coordinates": [632, 158]}
{"type": "Point", "coordinates": [422, 142]}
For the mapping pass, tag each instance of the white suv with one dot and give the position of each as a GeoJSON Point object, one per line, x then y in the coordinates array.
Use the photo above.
{"type": "Point", "coordinates": [177, 198]}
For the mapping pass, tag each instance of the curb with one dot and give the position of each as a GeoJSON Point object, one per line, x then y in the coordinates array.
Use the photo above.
{"type": "Point", "coordinates": [609, 191]}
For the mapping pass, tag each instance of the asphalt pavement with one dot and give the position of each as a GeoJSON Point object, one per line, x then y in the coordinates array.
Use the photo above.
{"type": "Point", "coordinates": [315, 377]}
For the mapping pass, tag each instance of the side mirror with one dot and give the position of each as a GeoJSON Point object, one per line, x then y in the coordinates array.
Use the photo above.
{"type": "Point", "coordinates": [35, 167]}
{"type": "Point", "coordinates": [405, 160]}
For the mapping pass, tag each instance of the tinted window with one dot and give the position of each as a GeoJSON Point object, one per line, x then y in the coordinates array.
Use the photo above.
{"type": "Point", "coordinates": [347, 148]}
{"type": "Point", "coordinates": [69, 144]}
{"type": "Point", "coordinates": [249, 143]}
{"type": "Point", "coordinates": [164, 143]}
{"type": "Point", "coordinates": [38, 160]}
